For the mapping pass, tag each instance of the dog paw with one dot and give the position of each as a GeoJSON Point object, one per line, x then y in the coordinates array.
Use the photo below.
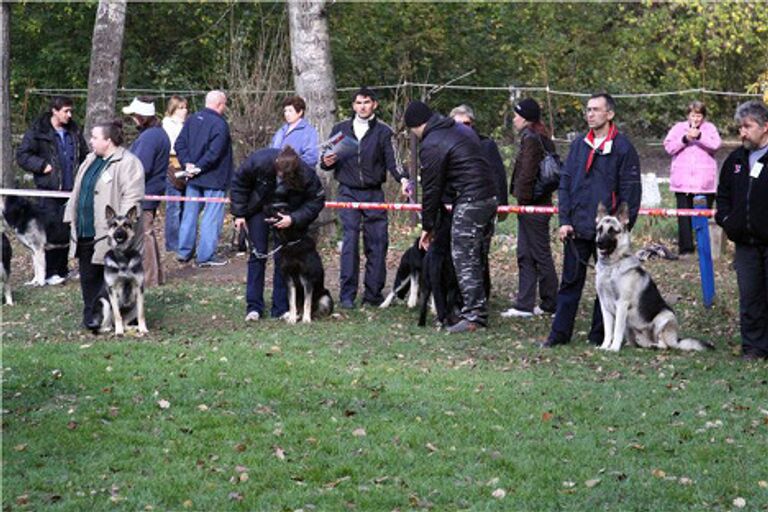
{"type": "Point", "coordinates": [291, 319]}
{"type": "Point", "coordinates": [306, 320]}
{"type": "Point", "coordinates": [119, 332]}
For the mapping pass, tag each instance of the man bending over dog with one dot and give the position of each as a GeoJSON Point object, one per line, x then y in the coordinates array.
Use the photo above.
{"type": "Point", "coordinates": [602, 167]}
{"type": "Point", "coordinates": [271, 176]}
{"type": "Point", "coordinates": [451, 161]}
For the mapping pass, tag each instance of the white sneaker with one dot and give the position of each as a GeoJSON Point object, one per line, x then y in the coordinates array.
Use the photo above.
{"type": "Point", "coordinates": [252, 316]}
{"type": "Point", "coordinates": [538, 312]}
{"type": "Point", "coordinates": [516, 313]}
{"type": "Point", "coordinates": [54, 280]}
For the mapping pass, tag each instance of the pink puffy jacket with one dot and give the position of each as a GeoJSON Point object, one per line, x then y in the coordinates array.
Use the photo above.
{"type": "Point", "coordinates": [693, 168]}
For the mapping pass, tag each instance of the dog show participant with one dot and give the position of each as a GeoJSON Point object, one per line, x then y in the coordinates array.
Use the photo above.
{"type": "Point", "coordinates": [297, 132]}
{"type": "Point", "coordinates": [360, 178]}
{"type": "Point", "coordinates": [153, 149]}
{"type": "Point", "coordinates": [602, 167]}
{"type": "Point", "coordinates": [451, 159]}
{"type": "Point", "coordinates": [109, 176]}
{"type": "Point", "coordinates": [692, 144]}
{"type": "Point", "coordinates": [204, 149]}
{"type": "Point", "coordinates": [742, 211]}
{"type": "Point", "coordinates": [270, 176]}
{"type": "Point", "coordinates": [534, 252]}
{"type": "Point", "coordinates": [52, 149]}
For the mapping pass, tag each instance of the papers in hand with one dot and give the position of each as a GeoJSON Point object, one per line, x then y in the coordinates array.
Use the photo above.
{"type": "Point", "coordinates": [340, 145]}
{"type": "Point", "coordinates": [188, 173]}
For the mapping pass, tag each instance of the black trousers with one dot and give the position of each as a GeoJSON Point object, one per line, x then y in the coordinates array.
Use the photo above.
{"type": "Point", "coordinates": [752, 275]}
{"type": "Point", "coordinates": [91, 277]}
{"type": "Point", "coordinates": [684, 229]}
{"type": "Point", "coordinates": [534, 261]}
{"type": "Point", "coordinates": [56, 259]}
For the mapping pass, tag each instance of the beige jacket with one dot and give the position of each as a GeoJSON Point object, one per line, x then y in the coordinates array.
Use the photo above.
{"type": "Point", "coordinates": [121, 186]}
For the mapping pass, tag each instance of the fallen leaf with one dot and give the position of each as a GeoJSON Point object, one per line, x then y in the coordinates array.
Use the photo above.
{"type": "Point", "coordinates": [658, 473]}
{"type": "Point", "coordinates": [592, 483]}
{"type": "Point", "coordinates": [72, 425]}
{"type": "Point", "coordinates": [23, 499]}
{"type": "Point", "coordinates": [235, 496]}
{"type": "Point", "coordinates": [739, 502]}
{"type": "Point", "coordinates": [432, 448]}
{"type": "Point", "coordinates": [763, 484]}
{"type": "Point", "coordinates": [56, 374]}
{"type": "Point", "coordinates": [163, 404]}
{"type": "Point", "coordinates": [569, 484]}
{"type": "Point", "coordinates": [240, 469]}
{"type": "Point", "coordinates": [547, 416]}
{"type": "Point", "coordinates": [359, 432]}
{"type": "Point", "coordinates": [684, 480]}
{"type": "Point", "coordinates": [202, 407]}
{"type": "Point", "coordinates": [240, 447]}
{"type": "Point", "coordinates": [332, 485]}
{"type": "Point", "coordinates": [20, 447]}
{"type": "Point", "coordinates": [279, 453]}
{"type": "Point", "coordinates": [499, 493]}
{"type": "Point", "coordinates": [187, 504]}
{"type": "Point", "coordinates": [243, 477]}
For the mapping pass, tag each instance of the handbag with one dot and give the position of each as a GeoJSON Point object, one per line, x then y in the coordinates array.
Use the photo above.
{"type": "Point", "coordinates": [179, 184]}
{"type": "Point", "coordinates": [548, 177]}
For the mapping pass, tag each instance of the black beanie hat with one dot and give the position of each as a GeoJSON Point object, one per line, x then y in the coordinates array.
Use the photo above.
{"type": "Point", "coordinates": [528, 109]}
{"type": "Point", "coordinates": [417, 114]}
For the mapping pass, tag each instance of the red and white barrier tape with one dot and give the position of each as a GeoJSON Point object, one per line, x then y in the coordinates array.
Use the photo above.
{"type": "Point", "coordinates": [408, 207]}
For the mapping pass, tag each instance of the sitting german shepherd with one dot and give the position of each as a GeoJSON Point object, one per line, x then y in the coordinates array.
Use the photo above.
{"type": "Point", "coordinates": [121, 301]}
{"type": "Point", "coordinates": [629, 300]}
{"type": "Point", "coordinates": [302, 269]}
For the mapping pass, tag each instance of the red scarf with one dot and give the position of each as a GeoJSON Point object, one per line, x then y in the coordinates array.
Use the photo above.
{"type": "Point", "coordinates": [590, 140]}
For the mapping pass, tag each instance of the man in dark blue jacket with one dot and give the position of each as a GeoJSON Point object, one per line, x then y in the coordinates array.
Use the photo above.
{"type": "Point", "coordinates": [204, 149]}
{"type": "Point", "coordinates": [360, 178]}
{"type": "Point", "coordinates": [52, 150]}
{"type": "Point", "coordinates": [602, 167]}
{"type": "Point", "coordinates": [272, 175]}
{"type": "Point", "coordinates": [742, 211]}
{"type": "Point", "coordinates": [451, 160]}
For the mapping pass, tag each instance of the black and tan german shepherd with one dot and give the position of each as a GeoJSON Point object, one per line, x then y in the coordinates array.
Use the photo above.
{"type": "Point", "coordinates": [302, 269]}
{"type": "Point", "coordinates": [121, 301]}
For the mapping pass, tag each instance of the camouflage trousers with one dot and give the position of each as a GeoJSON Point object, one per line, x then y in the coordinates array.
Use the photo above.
{"type": "Point", "coordinates": [471, 228]}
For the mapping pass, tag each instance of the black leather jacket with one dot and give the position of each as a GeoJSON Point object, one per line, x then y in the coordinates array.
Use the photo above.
{"type": "Point", "coordinates": [255, 184]}
{"type": "Point", "coordinates": [742, 208]}
{"type": "Point", "coordinates": [451, 159]}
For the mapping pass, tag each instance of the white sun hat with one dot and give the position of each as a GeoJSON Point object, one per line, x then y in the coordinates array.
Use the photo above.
{"type": "Point", "coordinates": [140, 107]}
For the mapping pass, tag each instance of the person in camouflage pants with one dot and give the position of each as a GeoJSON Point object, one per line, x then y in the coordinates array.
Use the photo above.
{"type": "Point", "coordinates": [453, 168]}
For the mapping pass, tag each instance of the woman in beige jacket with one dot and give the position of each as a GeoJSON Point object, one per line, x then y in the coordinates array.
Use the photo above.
{"type": "Point", "coordinates": [110, 175]}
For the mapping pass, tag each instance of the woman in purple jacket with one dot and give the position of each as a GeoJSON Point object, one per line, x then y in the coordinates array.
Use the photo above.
{"type": "Point", "coordinates": [692, 144]}
{"type": "Point", "coordinates": [297, 132]}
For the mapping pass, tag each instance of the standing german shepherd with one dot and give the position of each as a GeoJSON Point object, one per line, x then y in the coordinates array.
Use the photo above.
{"type": "Point", "coordinates": [302, 269]}
{"type": "Point", "coordinates": [629, 300]}
{"type": "Point", "coordinates": [121, 301]}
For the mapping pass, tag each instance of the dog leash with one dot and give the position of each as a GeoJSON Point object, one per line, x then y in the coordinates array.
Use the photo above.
{"type": "Point", "coordinates": [569, 242]}
{"type": "Point", "coordinates": [262, 256]}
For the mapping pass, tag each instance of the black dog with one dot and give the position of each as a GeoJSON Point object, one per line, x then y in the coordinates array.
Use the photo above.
{"type": "Point", "coordinates": [121, 301]}
{"type": "Point", "coordinates": [5, 270]}
{"type": "Point", "coordinates": [439, 280]}
{"type": "Point", "coordinates": [302, 269]}
{"type": "Point", "coordinates": [409, 278]}
{"type": "Point", "coordinates": [37, 230]}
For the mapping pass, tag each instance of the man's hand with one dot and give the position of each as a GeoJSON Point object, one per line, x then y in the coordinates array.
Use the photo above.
{"type": "Point", "coordinates": [190, 166]}
{"type": "Point", "coordinates": [565, 232]}
{"type": "Point", "coordinates": [282, 221]}
{"type": "Point", "coordinates": [48, 169]}
{"type": "Point", "coordinates": [405, 187]}
{"type": "Point", "coordinates": [329, 159]}
{"type": "Point", "coordinates": [239, 222]}
{"type": "Point", "coordinates": [425, 240]}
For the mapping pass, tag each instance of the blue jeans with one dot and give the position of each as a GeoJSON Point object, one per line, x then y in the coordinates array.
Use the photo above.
{"type": "Point", "coordinates": [258, 234]}
{"type": "Point", "coordinates": [210, 225]}
{"type": "Point", "coordinates": [173, 211]}
{"type": "Point", "coordinates": [569, 294]}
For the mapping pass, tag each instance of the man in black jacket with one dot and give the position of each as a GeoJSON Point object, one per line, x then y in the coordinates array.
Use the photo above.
{"type": "Point", "coordinates": [742, 211]}
{"type": "Point", "coordinates": [52, 150]}
{"type": "Point", "coordinates": [451, 161]}
{"type": "Point", "coordinates": [270, 176]}
{"type": "Point", "coordinates": [360, 178]}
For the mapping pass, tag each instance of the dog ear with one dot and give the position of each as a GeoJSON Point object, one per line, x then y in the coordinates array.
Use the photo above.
{"type": "Point", "coordinates": [601, 212]}
{"type": "Point", "coordinates": [110, 213]}
{"type": "Point", "coordinates": [132, 214]}
{"type": "Point", "coordinates": [623, 213]}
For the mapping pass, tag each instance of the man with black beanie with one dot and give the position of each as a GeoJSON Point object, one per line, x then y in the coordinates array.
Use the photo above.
{"type": "Point", "coordinates": [360, 178]}
{"type": "Point", "coordinates": [452, 164]}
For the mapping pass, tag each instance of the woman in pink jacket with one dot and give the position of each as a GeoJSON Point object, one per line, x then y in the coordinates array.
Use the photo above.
{"type": "Point", "coordinates": [692, 144]}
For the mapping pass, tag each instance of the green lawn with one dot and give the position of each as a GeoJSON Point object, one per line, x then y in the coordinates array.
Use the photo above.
{"type": "Point", "coordinates": [367, 411]}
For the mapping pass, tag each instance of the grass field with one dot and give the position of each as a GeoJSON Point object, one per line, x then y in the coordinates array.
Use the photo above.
{"type": "Point", "coordinates": [367, 411]}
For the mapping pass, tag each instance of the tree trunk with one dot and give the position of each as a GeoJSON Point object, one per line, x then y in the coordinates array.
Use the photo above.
{"type": "Point", "coordinates": [313, 77]}
{"type": "Point", "coordinates": [6, 175]}
{"type": "Point", "coordinates": [106, 54]}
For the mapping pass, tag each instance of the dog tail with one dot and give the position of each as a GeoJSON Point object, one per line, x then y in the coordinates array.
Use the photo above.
{"type": "Point", "coordinates": [691, 344]}
{"type": "Point", "coordinates": [324, 304]}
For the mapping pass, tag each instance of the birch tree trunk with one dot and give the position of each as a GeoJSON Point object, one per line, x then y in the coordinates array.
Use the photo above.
{"type": "Point", "coordinates": [106, 55]}
{"type": "Point", "coordinates": [313, 77]}
{"type": "Point", "coordinates": [6, 175]}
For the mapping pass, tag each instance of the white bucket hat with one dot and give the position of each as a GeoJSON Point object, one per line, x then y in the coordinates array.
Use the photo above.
{"type": "Point", "coordinates": [140, 107]}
